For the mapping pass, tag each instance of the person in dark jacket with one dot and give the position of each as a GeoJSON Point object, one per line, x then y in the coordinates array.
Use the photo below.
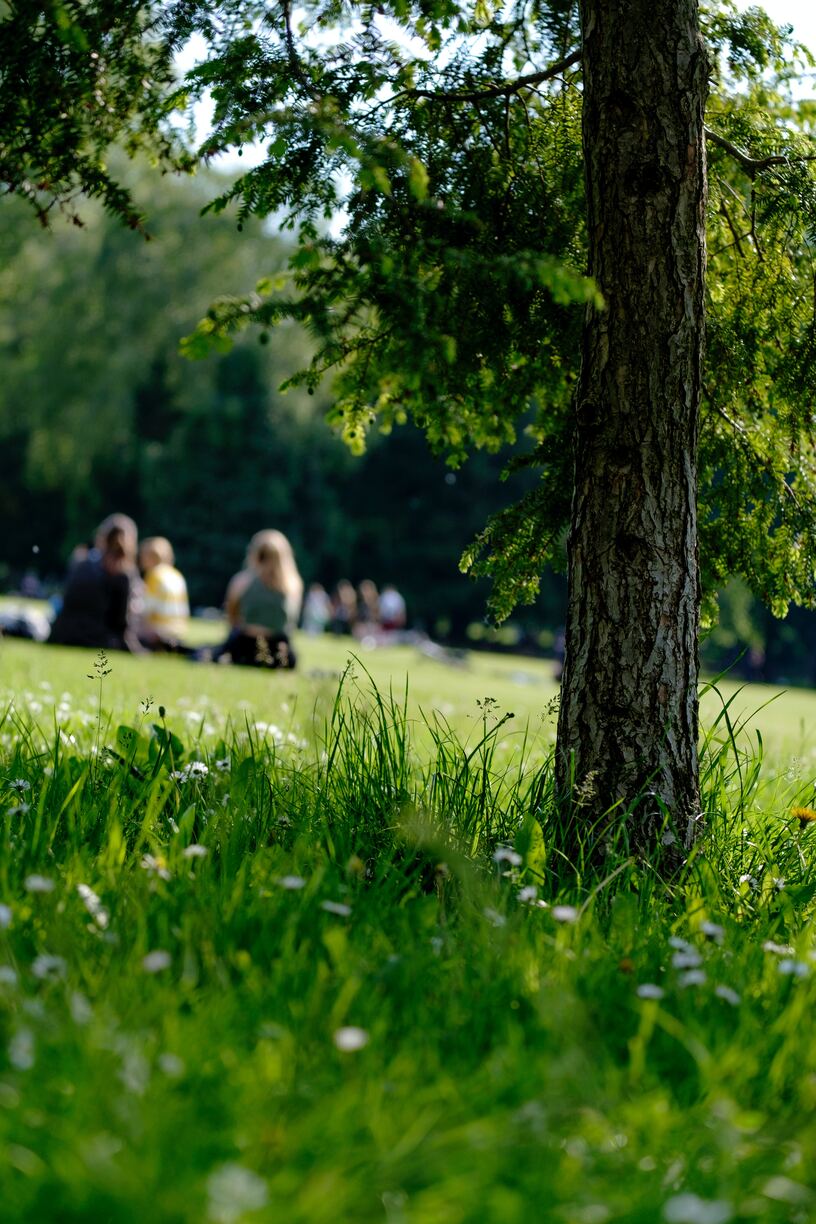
{"type": "Point", "coordinates": [98, 601]}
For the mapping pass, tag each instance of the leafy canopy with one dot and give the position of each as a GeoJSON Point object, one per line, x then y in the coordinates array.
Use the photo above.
{"type": "Point", "coordinates": [427, 156]}
{"type": "Point", "coordinates": [75, 77]}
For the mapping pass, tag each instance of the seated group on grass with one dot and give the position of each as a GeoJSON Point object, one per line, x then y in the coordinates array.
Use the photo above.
{"type": "Point", "coordinates": [121, 597]}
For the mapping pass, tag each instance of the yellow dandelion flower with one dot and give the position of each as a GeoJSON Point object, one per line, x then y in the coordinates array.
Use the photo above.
{"type": "Point", "coordinates": [804, 815]}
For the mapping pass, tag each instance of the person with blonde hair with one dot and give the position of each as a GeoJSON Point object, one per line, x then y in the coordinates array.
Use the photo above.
{"type": "Point", "coordinates": [263, 604]}
{"type": "Point", "coordinates": [165, 606]}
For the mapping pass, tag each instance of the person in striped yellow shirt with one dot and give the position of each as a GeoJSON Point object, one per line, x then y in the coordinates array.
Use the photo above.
{"type": "Point", "coordinates": [166, 608]}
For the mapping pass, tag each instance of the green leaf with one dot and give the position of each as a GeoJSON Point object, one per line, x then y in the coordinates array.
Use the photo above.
{"type": "Point", "coordinates": [417, 179]}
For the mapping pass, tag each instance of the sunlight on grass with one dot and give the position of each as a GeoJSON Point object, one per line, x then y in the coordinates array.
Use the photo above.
{"type": "Point", "coordinates": [270, 952]}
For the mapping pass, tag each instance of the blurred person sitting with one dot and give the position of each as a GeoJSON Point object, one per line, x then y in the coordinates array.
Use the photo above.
{"type": "Point", "coordinates": [393, 615]}
{"type": "Point", "coordinates": [368, 603]}
{"type": "Point", "coordinates": [102, 593]}
{"type": "Point", "coordinates": [367, 624]}
{"type": "Point", "coordinates": [344, 607]}
{"type": "Point", "coordinates": [317, 609]}
{"type": "Point", "coordinates": [165, 606]}
{"type": "Point", "coordinates": [263, 604]}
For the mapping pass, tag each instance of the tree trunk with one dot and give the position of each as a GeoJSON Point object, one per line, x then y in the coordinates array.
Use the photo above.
{"type": "Point", "coordinates": [628, 718]}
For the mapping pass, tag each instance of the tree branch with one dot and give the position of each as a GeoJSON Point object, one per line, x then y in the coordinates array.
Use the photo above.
{"type": "Point", "coordinates": [747, 441]}
{"type": "Point", "coordinates": [754, 165]}
{"type": "Point", "coordinates": [506, 89]}
{"type": "Point", "coordinates": [291, 50]}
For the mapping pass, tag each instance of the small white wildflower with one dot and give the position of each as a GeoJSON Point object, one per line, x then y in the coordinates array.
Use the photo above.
{"type": "Point", "coordinates": [437, 943]}
{"type": "Point", "coordinates": [527, 894]}
{"type": "Point", "coordinates": [564, 913]}
{"type": "Point", "coordinates": [694, 977]}
{"type": "Point", "coordinates": [682, 945]}
{"type": "Point", "coordinates": [691, 1209]}
{"type": "Point", "coordinates": [233, 1192]}
{"type": "Point", "coordinates": [224, 765]}
{"type": "Point", "coordinates": [291, 882]}
{"type": "Point", "coordinates": [155, 866]}
{"type": "Point", "coordinates": [648, 990]}
{"type": "Point", "coordinates": [7, 976]}
{"type": "Point", "coordinates": [350, 1038]}
{"type": "Point", "coordinates": [47, 967]}
{"type": "Point", "coordinates": [777, 949]}
{"type": "Point", "coordinates": [19, 809]}
{"type": "Point", "coordinates": [778, 883]}
{"type": "Point", "coordinates": [172, 1066]}
{"type": "Point", "coordinates": [5, 917]}
{"type": "Point", "coordinates": [20, 785]}
{"type": "Point", "coordinates": [793, 968]}
{"type": "Point", "coordinates": [336, 907]}
{"type": "Point", "coordinates": [154, 962]}
{"type": "Point", "coordinates": [750, 880]}
{"type": "Point", "coordinates": [194, 770]}
{"type": "Point", "coordinates": [21, 1050]}
{"type": "Point", "coordinates": [270, 730]}
{"type": "Point", "coordinates": [712, 930]}
{"type": "Point", "coordinates": [506, 854]}
{"type": "Point", "coordinates": [194, 850]}
{"type": "Point", "coordinates": [729, 995]}
{"type": "Point", "coordinates": [494, 917]}
{"type": "Point", "coordinates": [81, 1010]}
{"type": "Point", "coordinates": [93, 905]}
{"type": "Point", "coordinates": [38, 884]}
{"type": "Point", "coordinates": [686, 960]}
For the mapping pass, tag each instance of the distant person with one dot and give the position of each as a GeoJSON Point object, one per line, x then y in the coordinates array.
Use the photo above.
{"type": "Point", "coordinates": [368, 607]}
{"type": "Point", "coordinates": [30, 585]}
{"type": "Point", "coordinates": [344, 607]}
{"type": "Point", "coordinates": [393, 613]}
{"type": "Point", "coordinates": [102, 592]}
{"type": "Point", "coordinates": [263, 604]}
{"type": "Point", "coordinates": [317, 609]}
{"type": "Point", "coordinates": [165, 606]}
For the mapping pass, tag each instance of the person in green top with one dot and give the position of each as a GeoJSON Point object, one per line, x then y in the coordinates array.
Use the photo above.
{"type": "Point", "coordinates": [263, 604]}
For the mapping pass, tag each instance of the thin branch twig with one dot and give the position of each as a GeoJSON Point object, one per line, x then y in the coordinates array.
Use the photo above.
{"type": "Point", "coordinates": [754, 165]}
{"type": "Point", "coordinates": [505, 89]}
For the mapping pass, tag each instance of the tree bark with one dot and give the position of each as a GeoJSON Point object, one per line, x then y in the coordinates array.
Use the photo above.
{"type": "Point", "coordinates": [628, 718]}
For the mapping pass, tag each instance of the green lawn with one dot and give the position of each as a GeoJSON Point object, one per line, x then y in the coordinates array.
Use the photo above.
{"type": "Point", "coordinates": [279, 956]}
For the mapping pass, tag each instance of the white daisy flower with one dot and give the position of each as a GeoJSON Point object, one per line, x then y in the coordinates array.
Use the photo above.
{"type": "Point", "coordinates": [649, 990]}
{"type": "Point", "coordinates": [38, 884]}
{"type": "Point", "coordinates": [350, 1038]}
{"type": "Point", "coordinates": [156, 961]}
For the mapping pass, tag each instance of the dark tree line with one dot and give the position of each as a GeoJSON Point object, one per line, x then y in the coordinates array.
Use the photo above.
{"type": "Point", "coordinates": [98, 411]}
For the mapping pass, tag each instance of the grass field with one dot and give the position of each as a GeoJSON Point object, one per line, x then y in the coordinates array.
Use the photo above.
{"type": "Point", "coordinates": [267, 954]}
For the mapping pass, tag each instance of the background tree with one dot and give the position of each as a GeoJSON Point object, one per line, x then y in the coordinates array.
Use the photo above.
{"type": "Point", "coordinates": [453, 138]}
{"type": "Point", "coordinates": [450, 141]}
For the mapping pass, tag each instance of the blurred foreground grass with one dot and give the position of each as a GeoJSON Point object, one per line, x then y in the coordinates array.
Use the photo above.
{"type": "Point", "coordinates": [280, 955]}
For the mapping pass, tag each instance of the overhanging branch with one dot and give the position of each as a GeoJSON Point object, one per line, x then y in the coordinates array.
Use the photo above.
{"type": "Point", "coordinates": [505, 89]}
{"type": "Point", "coordinates": [754, 165]}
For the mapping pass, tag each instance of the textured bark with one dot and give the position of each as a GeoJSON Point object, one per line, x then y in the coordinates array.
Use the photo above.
{"type": "Point", "coordinates": [628, 718]}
